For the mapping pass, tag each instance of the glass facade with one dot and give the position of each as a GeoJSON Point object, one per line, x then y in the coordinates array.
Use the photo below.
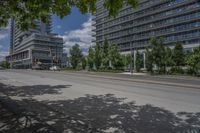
{"type": "Point", "coordinates": [36, 45]}
{"type": "Point", "coordinates": [174, 20]}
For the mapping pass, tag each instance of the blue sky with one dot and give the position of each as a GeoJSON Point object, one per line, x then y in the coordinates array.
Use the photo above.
{"type": "Point", "coordinates": [74, 28]}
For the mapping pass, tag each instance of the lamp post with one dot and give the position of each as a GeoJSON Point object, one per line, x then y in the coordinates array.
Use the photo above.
{"type": "Point", "coordinates": [131, 59]}
{"type": "Point", "coordinates": [11, 62]}
{"type": "Point", "coordinates": [56, 56]}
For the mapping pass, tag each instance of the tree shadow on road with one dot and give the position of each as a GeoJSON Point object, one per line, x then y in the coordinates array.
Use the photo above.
{"type": "Point", "coordinates": [92, 114]}
{"type": "Point", "coordinates": [16, 115]}
{"type": "Point", "coordinates": [106, 113]}
{"type": "Point", "coordinates": [30, 91]}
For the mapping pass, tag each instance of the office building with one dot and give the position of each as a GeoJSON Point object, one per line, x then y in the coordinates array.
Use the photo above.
{"type": "Point", "coordinates": [174, 20]}
{"type": "Point", "coordinates": [35, 47]}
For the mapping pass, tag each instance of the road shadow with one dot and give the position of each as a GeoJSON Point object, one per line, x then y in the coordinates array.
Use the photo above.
{"type": "Point", "coordinates": [91, 114]}
{"type": "Point", "coordinates": [30, 91]}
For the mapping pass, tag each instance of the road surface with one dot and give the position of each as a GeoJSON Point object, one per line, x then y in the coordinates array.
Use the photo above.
{"type": "Point", "coordinates": [101, 103]}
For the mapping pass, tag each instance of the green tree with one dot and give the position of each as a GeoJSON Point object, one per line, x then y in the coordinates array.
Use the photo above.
{"type": "Point", "coordinates": [5, 64]}
{"type": "Point", "coordinates": [178, 55]}
{"type": "Point", "coordinates": [193, 60]}
{"type": "Point", "coordinates": [84, 62]}
{"type": "Point", "coordinates": [115, 57]}
{"type": "Point", "coordinates": [168, 57]}
{"type": "Point", "coordinates": [149, 60]}
{"type": "Point", "coordinates": [157, 53]}
{"type": "Point", "coordinates": [126, 60]}
{"type": "Point", "coordinates": [138, 61]}
{"type": "Point", "coordinates": [98, 56]}
{"type": "Point", "coordinates": [91, 58]}
{"type": "Point", "coordinates": [162, 55]}
{"type": "Point", "coordinates": [26, 11]}
{"type": "Point", "coordinates": [105, 53]}
{"type": "Point", "coordinates": [75, 56]}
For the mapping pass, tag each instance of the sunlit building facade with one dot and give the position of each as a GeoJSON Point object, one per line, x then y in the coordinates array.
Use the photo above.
{"type": "Point", "coordinates": [35, 46]}
{"type": "Point", "coordinates": [174, 20]}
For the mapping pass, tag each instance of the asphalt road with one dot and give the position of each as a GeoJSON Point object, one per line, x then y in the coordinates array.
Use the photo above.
{"type": "Point", "coordinates": [91, 99]}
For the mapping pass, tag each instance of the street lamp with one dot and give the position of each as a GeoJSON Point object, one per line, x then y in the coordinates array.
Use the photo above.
{"type": "Point", "coordinates": [131, 60]}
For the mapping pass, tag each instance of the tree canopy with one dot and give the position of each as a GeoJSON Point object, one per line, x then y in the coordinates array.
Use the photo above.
{"type": "Point", "coordinates": [91, 58]}
{"type": "Point", "coordinates": [5, 64]}
{"type": "Point", "coordinates": [138, 61]}
{"type": "Point", "coordinates": [193, 60]}
{"type": "Point", "coordinates": [26, 11]}
{"type": "Point", "coordinates": [75, 56]}
{"type": "Point", "coordinates": [156, 54]}
{"type": "Point", "coordinates": [178, 55]}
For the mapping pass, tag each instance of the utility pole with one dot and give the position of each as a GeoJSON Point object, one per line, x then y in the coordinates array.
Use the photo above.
{"type": "Point", "coordinates": [131, 61]}
{"type": "Point", "coordinates": [56, 56]}
{"type": "Point", "coordinates": [11, 62]}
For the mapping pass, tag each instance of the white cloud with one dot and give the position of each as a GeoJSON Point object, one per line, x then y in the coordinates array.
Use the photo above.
{"type": "Point", "coordinates": [82, 36]}
{"type": "Point", "coordinates": [3, 55]}
{"type": "Point", "coordinates": [2, 36]}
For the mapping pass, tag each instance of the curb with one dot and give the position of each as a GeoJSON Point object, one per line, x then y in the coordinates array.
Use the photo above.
{"type": "Point", "coordinates": [139, 81]}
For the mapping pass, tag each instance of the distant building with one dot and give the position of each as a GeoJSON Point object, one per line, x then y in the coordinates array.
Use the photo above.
{"type": "Point", "coordinates": [35, 47]}
{"type": "Point", "coordinates": [65, 60]}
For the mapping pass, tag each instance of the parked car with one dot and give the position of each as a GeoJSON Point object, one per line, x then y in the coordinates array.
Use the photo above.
{"type": "Point", "coordinates": [36, 67]}
{"type": "Point", "coordinates": [55, 68]}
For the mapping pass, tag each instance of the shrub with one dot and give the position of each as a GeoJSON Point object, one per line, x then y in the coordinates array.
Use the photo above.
{"type": "Point", "coordinates": [177, 70]}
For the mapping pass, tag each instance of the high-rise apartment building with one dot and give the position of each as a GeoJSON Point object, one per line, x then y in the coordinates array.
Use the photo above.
{"type": "Point", "coordinates": [35, 46]}
{"type": "Point", "coordinates": [174, 20]}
